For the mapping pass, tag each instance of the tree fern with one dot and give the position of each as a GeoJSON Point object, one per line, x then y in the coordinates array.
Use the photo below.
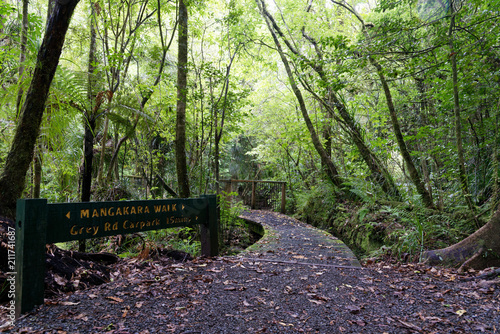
{"type": "Point", "coordinates": [73, 88]}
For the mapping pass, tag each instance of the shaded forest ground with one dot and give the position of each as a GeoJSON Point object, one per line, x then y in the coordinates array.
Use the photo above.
{"type": "Point", "coordinates": [272, 289]}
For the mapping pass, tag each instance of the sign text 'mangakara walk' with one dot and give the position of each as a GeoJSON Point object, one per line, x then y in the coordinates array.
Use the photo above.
{"type": "Point", "coordinates": [39, 223]}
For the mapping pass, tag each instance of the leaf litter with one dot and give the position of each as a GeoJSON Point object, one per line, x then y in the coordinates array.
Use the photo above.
{"type": "Point", "coordinates": [234, 295]}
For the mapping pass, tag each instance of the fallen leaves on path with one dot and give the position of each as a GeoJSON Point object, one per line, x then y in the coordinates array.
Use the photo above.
{"type": "Point", "coordinates": [271, 293]}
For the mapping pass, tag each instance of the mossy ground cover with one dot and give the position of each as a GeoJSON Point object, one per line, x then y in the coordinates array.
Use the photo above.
{"type": "Point", "coordinates": [375, 228]}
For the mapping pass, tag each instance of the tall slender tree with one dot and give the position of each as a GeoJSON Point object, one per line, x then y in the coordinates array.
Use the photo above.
{"type": "Point", "coordinates": [12, 179]}
{"type": "Point", "coordinates": [180, 128]}
{"type": "Point", "coordinates": [462, 173]}
{"type": "Point", "coordinates": [332, 102]}
{"type": "Point", "coordinates": [331, 170]}
{"type": "Point", "coordinates": [89, 121]}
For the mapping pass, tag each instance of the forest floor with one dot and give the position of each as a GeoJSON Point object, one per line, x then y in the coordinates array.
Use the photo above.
{"type": "Point", "coordinates": [295, 279]}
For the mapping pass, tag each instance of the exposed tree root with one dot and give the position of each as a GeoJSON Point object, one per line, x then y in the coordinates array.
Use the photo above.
{"type": "Point", "coordinates": [490, 275]}
{"type": "Point", "coordinates": [478, 251]}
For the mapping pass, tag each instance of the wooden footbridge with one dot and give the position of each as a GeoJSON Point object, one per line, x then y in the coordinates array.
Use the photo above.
{"type": "Point", "coordinates": [262, 195]}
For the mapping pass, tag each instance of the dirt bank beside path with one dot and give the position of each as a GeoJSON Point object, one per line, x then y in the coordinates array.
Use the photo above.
{"type": "Point", "coordinates": [295, 280]}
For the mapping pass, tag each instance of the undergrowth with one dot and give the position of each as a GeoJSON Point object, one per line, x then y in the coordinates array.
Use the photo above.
{"type": "Point", "coordinates": [233, 236]}
{"type": "Point", "coordinates": [373, 228]}
{"type": "Point", "coordinates": [233, 232]}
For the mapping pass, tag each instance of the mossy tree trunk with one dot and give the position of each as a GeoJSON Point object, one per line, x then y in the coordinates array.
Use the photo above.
{"type": "Point", "coordinates": [462, 173]}
{"type": "Point", "coordinates": [89, 125]}
{"type": "Point", "coordinates": [22, 55]}
{"type": "Point", "coordinates": [405, 153]}
{"type": "Point", "coordinates": [12, 180]}
{"type": "Point", "coordinates": [180, 129]}
{"type": "Point", "coordinates": [88, 157]}
{"type": "Point", "coordinates": [326, 161]}
{"type": "Point", "coordinates": [378, 172]}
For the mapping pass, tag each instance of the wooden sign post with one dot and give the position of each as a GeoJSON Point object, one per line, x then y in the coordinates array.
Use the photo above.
{"type": "Point", "coordinates": [39, 223]}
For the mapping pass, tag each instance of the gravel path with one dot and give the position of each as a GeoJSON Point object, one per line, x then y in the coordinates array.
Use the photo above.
{"type": "Point", "coordinates": [296, 279]}
{"type": "Point", "coordinates": [288, 240]}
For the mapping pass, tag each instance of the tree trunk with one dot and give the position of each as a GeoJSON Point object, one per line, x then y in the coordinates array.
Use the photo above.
{"type": "Point", "coordinates": [495, 197]}
{"type": "Point", "coordinates": [37, 172]}
{"type": "Point", "coordinates": [423, 107]}
{"type": "Point", "coordinates": [180, 129]}
{"type": "Point", "coordinates": [327, 133]}
{"type": "Point", "coordinates": [50, 7]}
{"type": "Point", "coordinates": [478, 251]}
{"type": "Point", "coordinates": [104, 140]}
{"type": "Point", "coordinates": [12, 180]}
{"type": "Point", "coordinates": [88, 157]}
{"type": "Point", "coordinates": [217, 164]}
{"type": "Point", "coordinates": [88, 151]}
{"type": "Point", "coordinates": [414, 175]}
{"type": "Point", "coordinates": [22, 55]}
{"type": "Point", "coordinates": [219, 126]}
{"type": "Point", "coordinates": [462, 174]}
{"type": "Point", "coordinates": [89, 123]}
{"type": "Point", "coordinates": [330, 168]}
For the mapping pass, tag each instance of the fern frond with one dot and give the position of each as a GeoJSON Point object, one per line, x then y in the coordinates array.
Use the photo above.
{"type": "Point", "coordinates": [72, 87]}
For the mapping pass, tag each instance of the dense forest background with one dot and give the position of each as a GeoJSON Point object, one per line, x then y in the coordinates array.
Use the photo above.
{"type": "Point", "coordinates": [382, 117]}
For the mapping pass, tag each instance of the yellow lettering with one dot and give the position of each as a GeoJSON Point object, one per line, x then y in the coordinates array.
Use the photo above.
{"type": "Point", "coordinates": [115, 226]}
{"type": "Point", "coordinates": [107, 226]}
{"type": "Point", "coordinates": [95, 213]}
{"type": "Point", "coordinates": [132, 210]}
{"type": "Point", "coordinates": [111, 212]}
{"type": "Point", "coordinates": [142, 225]}
{"type": "Point", "coordinates": [103, 212]}
{"type": "Point", "coordinates": [157, 208]}
{"type": "Point", "coordinates": [96, 228]}
{"type": "Point", "coordinates": [73, 231]}
{"type": "Point", "coordinates": [139, 210]}
{"type": "Point", "coordinates": [118, 211]}
{"type": "Point", "coordinates": [88, 230]}
{"type": "Point", "coordinates": [84, 213]}
{"type": "Point", "coordinates": [125, 210]}
{"type": "Point", "coordinates": [125, 225]}
{"type": "Point", "coordinates": [146, 209]}
{"type": "Point", "coordinates": [174, 207]}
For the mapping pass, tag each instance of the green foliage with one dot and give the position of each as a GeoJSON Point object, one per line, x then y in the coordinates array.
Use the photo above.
{"type": "Point", "coordinates": [233, 233]}
{"type": "Point", "coordinates": [263, 135]}
{"type": "Point", "coordinates": [423, 229]}
{"type": "Point", "coordinates": [182, 238]}
{"type": "Point", "coordinates": [5, 10]}
{"type": "Point", "coordinates": [318, 204]}
{"type": "Point", "coordinates": [363, 190]}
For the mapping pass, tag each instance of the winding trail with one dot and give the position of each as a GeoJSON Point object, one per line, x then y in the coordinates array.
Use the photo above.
{"type": "Point", "coordinates": [296, 279]}
{"type": "Point", "coordinates": [289, 241]}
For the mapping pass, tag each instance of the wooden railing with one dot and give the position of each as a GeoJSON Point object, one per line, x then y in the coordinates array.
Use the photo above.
{"type": "Point", "coordinates": [264, 195]}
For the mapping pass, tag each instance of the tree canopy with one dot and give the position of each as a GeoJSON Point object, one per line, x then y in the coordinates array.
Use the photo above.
{"type": "Point", "coordinates": [385, 101]}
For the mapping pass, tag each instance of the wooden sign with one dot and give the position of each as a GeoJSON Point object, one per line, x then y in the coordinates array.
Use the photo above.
{"type": "Point", "coordinates": [39, 223]}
